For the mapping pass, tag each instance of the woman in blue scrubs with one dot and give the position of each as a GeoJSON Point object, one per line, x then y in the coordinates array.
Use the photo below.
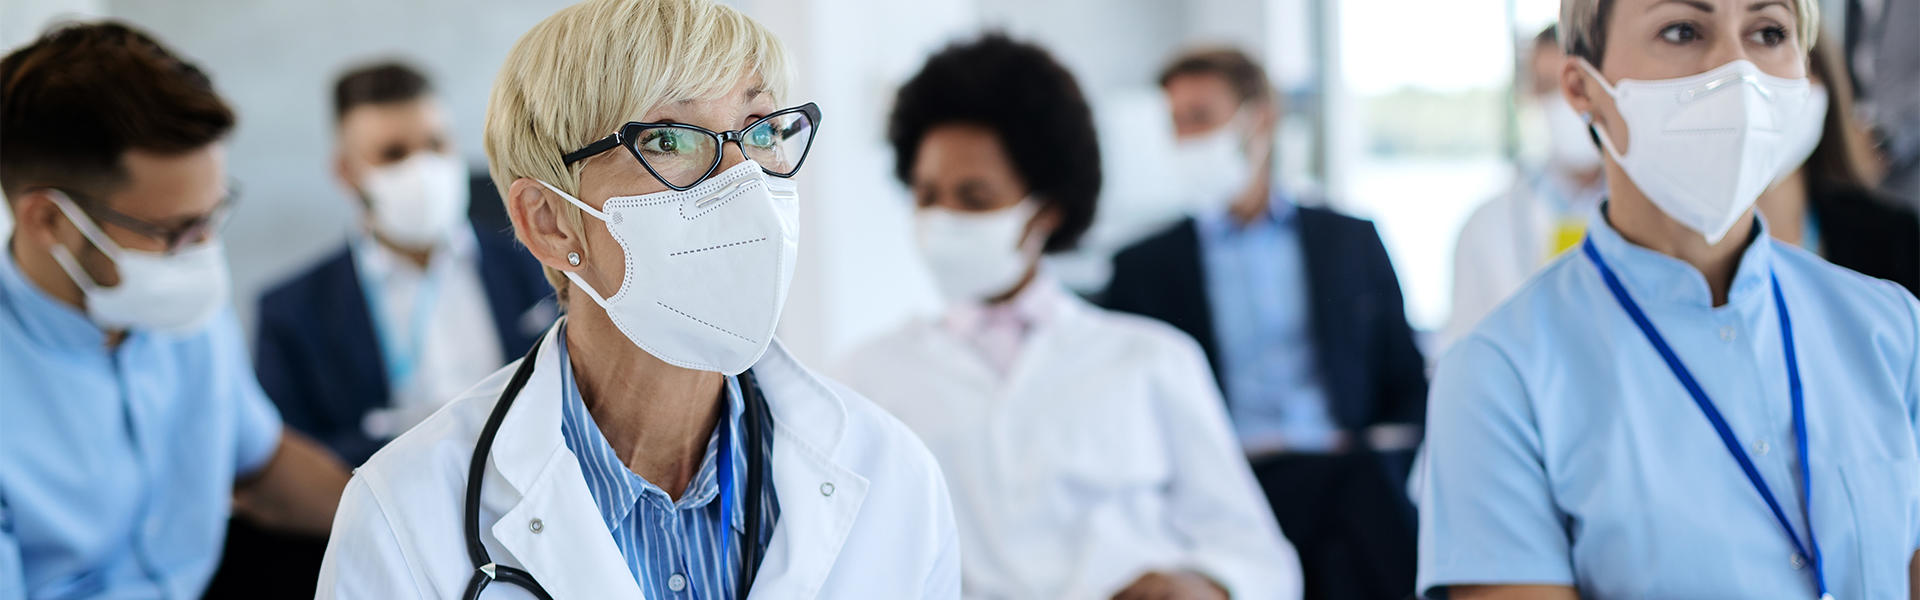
{"type": "Point", "coordinates": [1682, 407]}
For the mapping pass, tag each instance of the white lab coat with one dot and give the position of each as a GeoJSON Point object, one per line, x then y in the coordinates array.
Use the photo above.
{"type": "Point", "coordinates": [864, 511]}
{"type": "Point", "coordinates": [1505, 241]}
{"type": "Point", "coordinates": [1104, 453]}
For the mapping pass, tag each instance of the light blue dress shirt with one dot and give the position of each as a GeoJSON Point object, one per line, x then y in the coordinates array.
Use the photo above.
{"type": "Point", "coordinates": [117, 464]}
{"type": "Point", "coordinates": [673, 548]}
{"type": "Point", "coordinates": [1257, 288]}
{"type": "Point", "coordinates": [1562, 450]}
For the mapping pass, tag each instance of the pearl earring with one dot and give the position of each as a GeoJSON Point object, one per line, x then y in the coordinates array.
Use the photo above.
{"type": "Point", "coordinates": [573, 258]}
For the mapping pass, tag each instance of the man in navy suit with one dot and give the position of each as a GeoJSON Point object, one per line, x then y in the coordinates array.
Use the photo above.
{"type": "Point", "coordinates": [1301, 316]}
{"type": "Point", "coordinates": [418, 305]}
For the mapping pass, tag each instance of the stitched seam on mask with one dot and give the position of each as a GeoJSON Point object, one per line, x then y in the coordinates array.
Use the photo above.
{"type": "Point", "coordinates": [709, 248]}
{"type": "Point", "coordinates": [697, 320]}
{"type": "Point", "coordinates": [737, 192]}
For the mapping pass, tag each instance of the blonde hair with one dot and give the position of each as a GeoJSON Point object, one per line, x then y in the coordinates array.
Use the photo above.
{"type": "Point", "coordinates": [1583, 27]}
{"type": "Point", "coordinates": [583, 72]}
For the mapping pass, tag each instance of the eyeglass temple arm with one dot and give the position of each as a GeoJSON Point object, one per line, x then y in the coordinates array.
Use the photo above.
{"type": "Point", "coordinates": [605, 144]}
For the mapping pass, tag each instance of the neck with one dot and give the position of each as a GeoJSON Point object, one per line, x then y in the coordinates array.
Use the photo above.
{"type": "Point", "coordinates": [656, 416]}
{"type": "Point", "coordinates": [417, 256]}
{"type": "Point", "coordinates": [1644, 224]}
{"type": "Point", "coordinates": [1785, 206]}
{"type": "Point", "coordinates": [38, 268]}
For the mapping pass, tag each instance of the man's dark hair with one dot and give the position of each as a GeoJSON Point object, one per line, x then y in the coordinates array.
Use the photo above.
{"type": "Point", "coordinates": [1248, 80]}
{"type": "Point", "coordinates": [380, 83]}
{"type": "Point", "coordinates": [74, 101]}
{"type": "Point", "coordinates": [1029, 101]}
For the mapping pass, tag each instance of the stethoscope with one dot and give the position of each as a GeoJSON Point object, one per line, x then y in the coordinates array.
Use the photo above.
{"type": "Point", "coordinates": [486, 571]}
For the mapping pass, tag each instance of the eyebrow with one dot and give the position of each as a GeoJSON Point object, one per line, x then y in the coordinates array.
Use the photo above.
{"type": "Point", "coordinates": [1696, 4]}
{"type": "Point", "coordinates": [1765, 4]}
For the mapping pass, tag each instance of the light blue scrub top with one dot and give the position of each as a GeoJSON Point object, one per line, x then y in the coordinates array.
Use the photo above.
{"type": "Point", "coordinates": [117, 464]}
{"type": "Point", "coordinates": [1562, 450]}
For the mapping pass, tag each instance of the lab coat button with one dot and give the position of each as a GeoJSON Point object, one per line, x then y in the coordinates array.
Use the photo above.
{"type": "Point", "coordinates": [677, 582]}
{"type": "Point", "coordinates": [826, 489]}
{"type": "Point", "coordinates": [535, 526]}
{"type": "Point", "coordinates": [1727, 333]}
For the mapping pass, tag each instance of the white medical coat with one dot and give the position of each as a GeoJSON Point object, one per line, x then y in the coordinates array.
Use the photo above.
{"type": "Point", "coordinates": [1104, 453]}
{"type": "Point", "coordinates": [864, 511]}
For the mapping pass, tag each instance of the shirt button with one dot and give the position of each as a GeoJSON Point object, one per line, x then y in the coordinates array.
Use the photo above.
{"type": "Point", "coordinates": [1761, 447]}
{"type": "Point", "coordinates": [677, 582]}
{"type": "Point", "coordinates": [1798, 562]}
{"type": "Point", "coordinates": [1727, 333]}
{"type": "Point", "coordinates": [826, 489]}
{"type": "Point", "coordinates": [535, 526]}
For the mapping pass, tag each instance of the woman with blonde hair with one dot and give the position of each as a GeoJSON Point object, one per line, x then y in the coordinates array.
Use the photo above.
{"type": "Point", "coordinates": [1683, 407]}
{"type": "Point", "coordinates": [656, 443]}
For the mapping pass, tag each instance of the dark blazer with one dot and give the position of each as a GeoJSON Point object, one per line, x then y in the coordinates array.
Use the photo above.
{"type": "Point", "coordinates": [318, 358]}
{"type": "Point", "coordinates": [1368, 363]}
{"type": "Point", "coordinates": [1867, 233]}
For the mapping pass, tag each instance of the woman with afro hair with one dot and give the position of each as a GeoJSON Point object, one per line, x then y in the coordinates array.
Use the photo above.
{"type": "Point", "coordinates": [1087, 452]}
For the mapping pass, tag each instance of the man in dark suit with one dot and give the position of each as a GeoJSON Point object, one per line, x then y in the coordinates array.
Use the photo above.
{"type": "Point", "coordinates": [418, 305]}
{"type": "Point", "coordinates": [1301, 317]}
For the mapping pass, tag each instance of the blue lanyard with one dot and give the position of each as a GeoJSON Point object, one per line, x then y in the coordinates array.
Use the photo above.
{"type": "Point", "coordinates": [1720, 423]}
{"type": "Point", "coordinates": [401, 361]}
{"type": "Point", "coordinates": [725, 457]}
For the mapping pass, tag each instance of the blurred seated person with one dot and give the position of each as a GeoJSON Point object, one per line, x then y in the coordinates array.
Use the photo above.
{"type": "Point", "coordinates": [1300, 315]}
{"type": "Point", "coordinates": [1087, 451]}
{"type": "Point", "coordinates": [1543, 213]}
{"type": "Point", "coordinates": [1828, 206]}
{"type": "Point", "coordinates": [417, 305]}
{"type": "Point", "coordinates": [131, 427]}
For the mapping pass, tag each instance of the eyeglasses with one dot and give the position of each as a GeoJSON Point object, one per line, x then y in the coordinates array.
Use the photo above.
{"type": "Point", "coordinates": [682, 156]}
{"type": "Point", "coordinates": [194, 230]}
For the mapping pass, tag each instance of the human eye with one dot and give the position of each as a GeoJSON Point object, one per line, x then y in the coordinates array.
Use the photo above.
{"type": "Point", "coordinates": [1769, 36]}
{"type": "Point", "coordinates": [1680, 33]}
{"type": "Point", "coordinates": [668, 141]}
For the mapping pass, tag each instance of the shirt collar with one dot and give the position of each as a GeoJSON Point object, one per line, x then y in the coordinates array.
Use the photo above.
{"type": "Point", "coordinates": [1654, 277]}
{"type": "Point", "coordinates": [1281, 212]}
{"type": "Point", "coordinates": [378, 260]}
{"type": "Point", "coordinates": [617, 493]}
{"type": "Point", "coordinates": [1036, 305]}
{"type": "Point", "coordinates": [45, 319]}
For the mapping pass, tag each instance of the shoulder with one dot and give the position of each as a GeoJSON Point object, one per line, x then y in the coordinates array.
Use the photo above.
{"type": "Point", "coordinates": [1180, 234]}
{"type": "Point", "coordinates": [309, 283]}
{"type": "Point", "coordinates": [1538, 314]}
{"type": "Point", "coordinates": [420, 462]}
{"type": "Point", "coordinates": [1843, 292]}
{"type": "Point", "coordinates": [1149, 338]}
{"type": "Point", "coordinates": [885, 349]}
{"type": "Point", "coordinates": [1323, 217]}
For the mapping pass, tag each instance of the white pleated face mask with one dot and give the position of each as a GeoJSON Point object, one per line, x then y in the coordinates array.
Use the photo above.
{"type": "Point", "coordinates": [707, 269]}
{"type": "Point", "coordinates": [172, 293]}
{"type": "Point", "coordinates": [1212, 169]}
{"type": "Point", "coordinates": [1704, 147]}
{"type": "Point", "coordinates": [417, 202]}
{"type": "Point", "coordinates": [976, 256]}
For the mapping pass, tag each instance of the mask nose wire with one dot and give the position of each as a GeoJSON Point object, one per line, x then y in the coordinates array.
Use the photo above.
{"type": "Point", "coordinates": [1723, 81]}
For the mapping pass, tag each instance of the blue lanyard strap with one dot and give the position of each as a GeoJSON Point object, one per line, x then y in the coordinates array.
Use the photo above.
{"type": "Point", "coordinates": [1720, 423]}
{"type": "Point", "coordinates": [401, 361]}
{"type": "Point", "coordinates": [725, 456]}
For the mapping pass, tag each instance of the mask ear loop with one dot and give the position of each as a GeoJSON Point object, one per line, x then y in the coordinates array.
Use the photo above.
{"type": "Point", "coordinates": [1601, 132]}
{"type": "Point", "coordinates": [85, 224]}
{"type": "Point", "coordinates": [571, 276]}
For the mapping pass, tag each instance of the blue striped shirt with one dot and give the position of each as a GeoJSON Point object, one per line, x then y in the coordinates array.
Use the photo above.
{"type": "Point", "coordinates": [672, 548]}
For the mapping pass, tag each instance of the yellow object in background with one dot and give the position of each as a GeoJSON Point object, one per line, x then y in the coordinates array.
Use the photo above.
{"type": "Point", "coordinates": [1567, 233]}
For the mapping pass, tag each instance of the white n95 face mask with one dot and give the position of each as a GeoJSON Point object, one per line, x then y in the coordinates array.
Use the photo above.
{"type": "Point", "coordinates": [976, 256]}
{"type": "Point", "coordinates": [1806, 135]}
{"type": "Point", "coordinates": [1569, 146]}
{"type": "Point", "coordinates": [1704, 147]}
{"type": "Point", "coordinates": [1212, 169]}
{"type": "Point", "coordinates": [707, 268]}
{"type": "Point", "coordinates": [172, 293]}
{"type": "Point", "coordinates": [416, 202]}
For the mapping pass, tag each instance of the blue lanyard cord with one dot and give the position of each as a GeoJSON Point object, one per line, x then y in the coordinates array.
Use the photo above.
{"type": "Point", "coordinates": [402, 361]}
{"type": "Point", "coordinates": [725, 456]}
{"type": "Point", "coordinates": [1720, 423]}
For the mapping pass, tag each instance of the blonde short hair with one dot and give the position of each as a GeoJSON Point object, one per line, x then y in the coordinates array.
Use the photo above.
{"type": "Point", "coordinates": [583, 72]}
{"type": "Point", "coordinates": [1583, 26]}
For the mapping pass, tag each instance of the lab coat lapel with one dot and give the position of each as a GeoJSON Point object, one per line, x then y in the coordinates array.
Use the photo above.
{"type": "Point", "coordinates": [819, 498]}
{"type": "Point", "coordinates": [569, 551]}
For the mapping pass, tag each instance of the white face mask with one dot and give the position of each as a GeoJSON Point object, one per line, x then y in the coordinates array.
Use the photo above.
{"type": "Point", "coordinates": [416, 202]}
{"type": "Point", "coordinates": [1212, 169]}
{"type": "Point", "coordinates": [1569, 145]}
{"type": "Point", "coordinates": [1704, 147]}
{"type": "Point", "coordinates": [1803, 139]}
{"type": "Point", "coordinates": [707, 269]}
{"type": "Point", "coordinates": [976, 256]}
{"type": "Point", "coordinates": [173, 293]}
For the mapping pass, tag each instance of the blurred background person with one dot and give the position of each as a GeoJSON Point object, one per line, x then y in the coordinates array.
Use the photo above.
{"type": "Point", "coordinates": [1087, 452]}
{"type": "Point", "coordinates": [1829, 205]}
{"type": "Point", "coordinates": [1300, 315]}
{"type": "Point", "coordinates": [130, 422]}
{"type": "Point", "coordinates": [1612, 391]}
{"type": "Point", "coordinates": [1543, 213]}
{"type": "Point", "coordinates": [1885, 59]}
{"type": "Point", "coordinates": [417, 305]}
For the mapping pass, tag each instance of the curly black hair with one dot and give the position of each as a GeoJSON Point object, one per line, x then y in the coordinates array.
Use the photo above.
{"type": "Point", "coordinates": [1020, 92]}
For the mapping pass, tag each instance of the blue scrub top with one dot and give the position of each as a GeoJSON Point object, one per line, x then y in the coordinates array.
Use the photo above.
{"type": "Point", "coordinates": [1562, 450]}
{"type": "Point", "coordinates": [117, 464]}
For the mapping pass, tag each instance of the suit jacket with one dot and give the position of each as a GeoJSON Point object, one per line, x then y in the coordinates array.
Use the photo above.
{"type": "Point", "coordinates": [1867, 233]}
{"type": "Point", "coordinates": [1368, 363]}
{"type": "Point", "coordinates": [319, 359]}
